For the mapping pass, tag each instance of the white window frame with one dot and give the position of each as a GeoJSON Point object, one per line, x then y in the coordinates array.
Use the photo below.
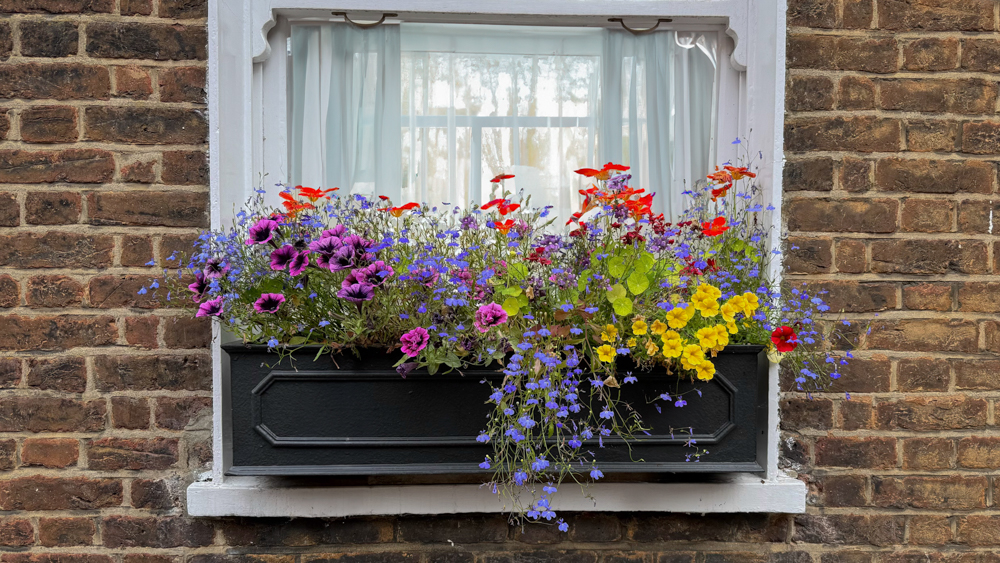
{"type": "Point", "coordinates": [244, 145]}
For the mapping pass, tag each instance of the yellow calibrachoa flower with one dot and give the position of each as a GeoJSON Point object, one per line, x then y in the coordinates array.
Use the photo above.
{"type": "Point", "coordinates": [639, 327]}
{"type": "Point", "coordinates": [631, 342]}
{"type": "Point", "coordinates": [707, 337]}
{"type": "Point", "coordinates": [751, 303]}
{"type": "Point", "coordinates": [673, 345]}
{"type": "Point", "coordinates": [729, 310]}
{"type": "Point", "coordinates": [692, 356]}
{"type": "Point", "coordinates": [721, 337]}
{"type": "Point", "coordinates": [678, 317]}
{"type": "Point", "coordinates": [606, 353]}
{"type": "Point", "coordinates": [731, 327]}
{"type": "Point", "coordinates": [705, 370]}
{"type": "Point", "coordinates": [651, 348]}
{"type": "Point", "coordinates": [610, 333]}
{"type": "Point", "coordinates": [706, 300]}
{"type": "Point", "coordinates": [738, 301]}
{"type": "Point", "coordinates": [658, 328]}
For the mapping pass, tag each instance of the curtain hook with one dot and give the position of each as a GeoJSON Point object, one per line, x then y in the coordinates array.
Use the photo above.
{"type": "Point", "coordinates": [364, 25]}
{"type": "Point", "coordinates": [639, 31]}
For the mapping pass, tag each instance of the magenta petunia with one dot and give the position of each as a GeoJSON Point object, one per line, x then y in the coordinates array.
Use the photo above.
{"type": "Point", "coordinates": [342, 259]}
{"type": "Point", "coordinates": [414, 341]}
{"type": "Point", "coordinates": [210, 308]}
{"type": "Point", "coordinates": [199, 287]}
{"type": "Point", "coordinates": [282, 257]}
{"type": "Point", "coordinates": [357, 292]}
{"type": "Point", "coordinates": [488, 316]}
{"type": "Point", "coordinates": [269, 303]}
{"type": "Point", "coordinates": [324, 249]}
{"type": "Point", "coordinates": [215, 268]}
{"type": "Point", "coordinates": [337, 231]}
{"type": "Point", "coordinates": [299, 263]}
{"type": "Point", "coordinates": [262, 232]}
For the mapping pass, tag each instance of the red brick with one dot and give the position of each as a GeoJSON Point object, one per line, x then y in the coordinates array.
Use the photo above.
{"type": "Point", "coordinates": [930, 530]}
{"type": "Point", "coordinates": [863, 375]}
{"type": "Point", "coordinates": [814, 174]}
{"type": "Point", "coordinates": [857, 15]}
{"type": "Point", "coordinates": [950, 412]}
{"type": "Point", "coordinates": [185, 84]}
{"type": "Point", "coordinates": [50, 493]}
{"type": "Point", "coordinates": [19, 333]}
{"type": "Point", "coordinates": [126, 373]}
{"type": "Point", "coordinates": [850, 256]}
{"type": "Point", "coordinates": [137, 250]}
{"type": "Point", "coordinates": [132, 40]}
{"type": "Point", "coordinates": [136, 7]}
{"type": "Point", "coordinates": [923, 374]}
{"type": "Point", "coordinates": [52, 208]}
{"type": "Point", "coordinates": [130, 412]}
{"type": "Point", "coordinates": [860, 133]}
{"type": "Point", "coordinates": [50, 414]}
{"type": "Point", "coordinates": [966, 96]}
{"type": "Point", "coordinates": [125, 531]}
{"type": "Point", "coordinates": [146, 208]}
{"type": "Point", "coordinates": [808, 255]}
{"type": "Point", "coordinates": [68, 374]}
{"type": "Point", "coordinates": [935, 256]}
{"type": "Point", "coordinates": [979, 452]}
{"type": "Point", "coordinates": [842, 490]}
{"type": "Point", "coordinates": [977, 374]}
{"type": "Point", "coordinates": [133, 82]}
{"type": "Point", "coordinates": [10, 291]}
{"type": "Point", "coordinates": [842, 215]}
{"type": "Point", "coordinates": [928, 454]}
{"type": "Point", "coordinates": [932, 135]}
{"type": "Point", "coordinates": [10, 210]}
{"type": "Point", "coordinates": [857, 297]}
{"type": "Point", "coordinates": [953, 492]}
{"type": "Point", "coordinates": [59, 6]}
{"type": "Point", "coordinates": [112, 454]}
{"type": "Point", "coordinates": [49, 124]}
{"type": "Point", "coordinates": [16, 532]}
{"type": "Point", "coordinates": [149, 558]}
{"type": "Point", "coordinates": [812, 13]}
{"type": "Point", "coordinates": [925, 335]}
{"type": "Point", "coordinates": [931, 53]}
{"type": "Point", "coordinates": [183, 413]}
{"type": "Point", "coordinates": [979, 530]}
{"type": "Point", "coordinates": [800, 413]}
{"type": "Point", "coordinates": [878, 453]}
{"type": "Point", "coordinates": [6, 41]}
{"type": "Point", "coordinates": [934, 176]}
{"type": "Point", "coordinates": [979, 297]}
{"type": "Point", "coordinates": [115, 291]}
{"type": "Point", "coordinates": [935, 15]}
{"type": "Point", "coordinates": [851, 529]}
{"type": "Point", "coordinates": [153, 494]}
{"type": "Point", "coordinates": [927, 296]}
{"type": "Point", "coordinates": [10, 372]}
{"type": "Point", "coordinates": [981, 137]}
{"type": "Point", "coordinates": [974, 215]}
{"type": "Point", "coordinates": [145, 125]}
{"type": "Point", "coordinates": [66, 532]}
{"type": "Point", "coordinates": [829, 52]}
{"type": "Point", "coordinates": [856, 92]}
{"type": "Point", "coordinates": [855, 175]}
{"type": "Point", "coordinates": [183, 9]}
{"type": "Point", "coordinates": [927, 215]}
{"type": "Point", "coordinates": [142, 331]}
{"type": "Point", "coordinates": [50, 452]}
{"type": "Point", "coordinates": [57, 81]}
{"type": "Point", "coordinates": [981, 54]}
{"type": "Point", "coordinates": [809, 93]}
{"type": "Point", "coordinates": [185, 168]}
{"type": "Point", "coordinates": [56, 558]}
{"type": "Point", "coordinates": [54, 291]}
{"type": "Point", "coordinates": [856, 413]}
{"type": "Point", "coordinates": [78, 166]}
{"type": "Point", "coordinates": [139, 172]}
{"type": "Point", "coordinates": [186, 332]}
{"type": "Point", "coordinates": [178, 246]}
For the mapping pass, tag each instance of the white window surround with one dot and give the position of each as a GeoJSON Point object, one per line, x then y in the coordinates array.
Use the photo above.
{"type": "Point", "coordinates": [242, 146]}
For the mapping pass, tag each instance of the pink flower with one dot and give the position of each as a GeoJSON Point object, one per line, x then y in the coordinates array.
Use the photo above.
{"type": "Point", "coordinates": [488, 316]}
{"type": "Point", "coordinates": [210, 308]}
{"type": "Point", "coordinates": [414, 341]}
{"type": "Point", "coordinates": [269, 302]}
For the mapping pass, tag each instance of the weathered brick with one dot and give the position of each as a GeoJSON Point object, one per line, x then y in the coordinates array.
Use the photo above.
{"type": "Point", "coordinates": [6, 41]}
{"type": "Point", "coordinates": [979, 530]}
{"type": "Point", "coordinates": [931, 53]}
{"type": "Point", "coordinates": [935, 256]}
{"type": "Point", "coordinates": [16, 532]}
{"type": "Point", "coordinates": [183, 413]}
{"type": "Point", "coordinates": [116, 291]}
{"type": "Point", "coordinates": [185, 167]}
{"type": "Point", "coordinates": [130, 412]}
{"type": "Point", "coordinates": [136, 7]}
{"type": "Point", "coordinates": [56, 558]}
{"type": "Point", "coordinates": [142, 331]}
{"type": "Point", "coordinates": [980, 54]}
{"type": "Point", "coordinates": [979, 297]}
{"type": "Point", "coordinates": [930, 530]}
{"type": "Point", "coordinates": [50, 414]}
{"type": "Point", "coordinates": [809, 93]}
{"type": "Point", "coordinates": [857, 15]}
{"type": "Point", "coordinates": [10, 292]}
{"type": "Point", "coordinates": [953, 492]}
{"type": "Point", "coordinates": [53, 291]}
{"type": "Point", "coordinates": [859, 133]}
{"type": "Point", "coordinates": [489, 528]}
{"type": "Point", "coordinates": [928, 454]}
{"type": "Point", "coordinates": [842, 490]}
{"type": "Point", "coordinates": [932, 135]}
{"type": "Point", "coordinates": [857, 297]}
{"type": "Point", "coordinates": [857, 413]}
{"type": "Point", "coordinates": [139, 172]}
{"type": "Point", "coordinates": [51, 493]}
{"type": "Point", "coordinates": [927, 215]}
{"type": "Point", "coordinates": [146, 126]}
{"type": "Point", "coordinates": [856, 452]}
{"type": "Point", "coordinates": [59, 81]}
{"type": "Point", "coordinates": [78, 166]}
{"type": "Point", "coordinates": [411, 557]}
{"type": "Point", "coordinates": [798, 413]}
{"type": "Point", "coordinates": [812, 13]}
{"type": "Point", "coordinates": [183, 9]}
{"type": "Point", "coordinates": [45, 38]}
{"type": "Point", "coordinates": [66, 532]}
{"type": "Point", "coordinates": [179, 246]}
{"type": "Point", "coordinates": [124, 373]}
{"type": "Point", "coordinates": [50, 452]}
{"type": "Point", "coordinates": [729, 528]}
{"type": "Point", "coordinates": [167, 208]}
{"type": "Point", "coordinates": [864, 375]}
{"type": "Point", "coordinates": [851, 529]}
{"type": "Point", "coordinates": [979, 452]}
{"type": "Point", "coordinates": [933, 176]}
{"type": "Point", "coordinates": [49, 124]}
{"type": "Point", "coordinates": [855, 175]}
{"type": "Point", "coordinates": [10, 372]}
{"type": "Point", "coordinates": [842, 215]}
{"type": "Point", "coordinates": [282, 532]}
{"type": "Point", "coordinates": [974, 215]}
{"type": "Point", "coordinates": [52, 208]}
{"type": "Point", "coordinates": [814, 174]}
{"type": "Point", "coordinates": [18, 333]}
{"type": "Point", "coordinates": [160, 42]}
{"type": "Point", "coordinates": [856, 92]}
{"type": "Point", "coordinates": [154, 494]}
{"type": "Point", "coordinates": [829, 52]}
{"type": "Point", "coordinates": [967, 96]}
{"type": "Point", "coordinates": [977, 374]}
{"type": "Point", "coordinates": [59, 6]}
{"type": "Point", "coordinates": [808, 255]}
{"type": "Point", "coordinates": [10, 210]}
{"type": "Point", "coordinates": [112, 454]}
{"type": "Point", "coordinates": [133, 82]}
{"type": "Point", "coordinates": [935, 15]}
{"type": "Point", "coordinates": [186, 84]}
{"type": "Point", "coordinates": [981, 137]}
{"type": "Point", "coordinates": [927, 296]}
{"type": "Point", "coordinates": [932, 413]}
{"type": "Point", "coordinates": [925, 335]}
{"type": "Point", "coordinates": [157, 558]}
{"type": "Point", "coordinates": [137, 250]}
{"type": "Point", "coordinates": [67, 374]}
{"type": "Point", "coordinates": [850, 256]}
{"type": "Point", "coordinates": [923, 374]}
{"type": "Point", "coordinates": [186, 332]}
{"type": "Point", "coordinates": [125, 531]}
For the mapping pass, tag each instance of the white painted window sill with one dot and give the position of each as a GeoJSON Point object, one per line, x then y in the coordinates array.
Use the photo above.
{"type": "Point", "coordinates": [252, 496]}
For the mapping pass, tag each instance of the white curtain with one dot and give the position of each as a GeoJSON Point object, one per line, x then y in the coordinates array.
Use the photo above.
{"type": "Point", "coordinates": [658, 110]}
{"type": "Point", "coordinates": [345, 126]}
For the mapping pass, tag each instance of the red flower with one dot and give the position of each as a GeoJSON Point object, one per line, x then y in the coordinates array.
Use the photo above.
{"type": "Point", "coordinates": [785, 339]}
{"type": "Point", "coordinates": [503, 226]}
{"type": "Point", "coordinates": [398, 211]}
{"type": "Point", "coordinates": [500, 177]}
{"type": "Point", "coordinates": [384, 197]}
{"type": "Point", "coordinates": [492, 204]}
{"type": "Point", "coordinates": [292, 207]}
{"type": "Point", "coordinates": [508, 208]}
{"type": "Point", "coordinates": [740, 172]}
{"type": "Point", "coordinates": [603, 173]}
{"type": "Point", "coordinates": [715, 228]}
{"type": "Point", "coordinates": [314, 193]}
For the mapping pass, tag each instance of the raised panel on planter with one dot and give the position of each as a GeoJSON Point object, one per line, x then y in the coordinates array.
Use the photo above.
{"type": "Point", "coordinates": [354, 415]}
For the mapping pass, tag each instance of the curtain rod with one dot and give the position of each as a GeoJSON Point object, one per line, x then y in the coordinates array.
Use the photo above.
{"type": "Point", "coordinates": [620, 21]}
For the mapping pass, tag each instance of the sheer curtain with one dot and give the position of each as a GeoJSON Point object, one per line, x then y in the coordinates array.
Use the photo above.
{"type": "Point", "coordinates": [658, 110]}
{"type": "Point", "coordinates": [345, 126]}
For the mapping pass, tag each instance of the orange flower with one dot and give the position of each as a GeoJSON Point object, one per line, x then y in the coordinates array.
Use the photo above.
{"type": "Point", "coordinates": [314, 194]}
{"type": "Point", "coordinates": [493, 204]}
{"type": "Point", "coordinates": [714, 228]}
{"type": "Point", "coordinates": [398, 211]}
{"type": "Point", "coordinates": [603, 173]}
{"type": "Point", "coordinates": [740, 172]}
{"type": "Point", "coordinates": [720, 192]}
{"type": "Point", "coordinates": [500, 177]}
{"type": "Point", "coordinates": [508, 208]}
{"type": "Point", "coordinates": [293, 207]}
{"type": "Point", "coordinates": [503, 226]}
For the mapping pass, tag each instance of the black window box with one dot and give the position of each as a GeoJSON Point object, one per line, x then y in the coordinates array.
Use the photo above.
{"type": "Point", "coordinates": [355, 416]}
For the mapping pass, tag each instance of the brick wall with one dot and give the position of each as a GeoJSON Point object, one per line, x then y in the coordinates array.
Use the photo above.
{"type": "Point", "coordinates": [892, 140]}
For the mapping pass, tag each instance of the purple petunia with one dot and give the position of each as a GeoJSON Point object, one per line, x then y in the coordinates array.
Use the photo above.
{"type": "Point", "coordinates": [488, 316]}
{"type": "Point", "coordinates": [357, 292]}
{"type": "Point", "coordinates": [342, 259]}
{"type": "Point", "coordinates": [374, 274]}
{"type": "Point", "coordinates": [324, 249]}
{"type": "Point", "coordinates": [299, 263]}
{"type": "Point", "coordinates": [210, 308]}
{"type": "Point", "coordinates": [262, 232]}
{"type": "Point", "coordinates": [282, 257]}
{"type": "Point", "coordinates": [414, 341]}
{"type": "Point", "coordinates": [199, 287]}
{"type": "Point", "coordinates": [215, 268]}
{"type": "Point", "coordinates": [337, 231]}
{"type": "Point", "coordinates": [269, 303]}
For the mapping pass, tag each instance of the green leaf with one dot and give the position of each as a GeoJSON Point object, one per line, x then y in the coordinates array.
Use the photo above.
{"type": "Point", "coordinates": [623, 306]}
{"type": "Point", "coordinates": [511, 305]}
{"type": "Point", "coordinates": [638, 282]}
{"type": "Point", "coordinates": [515, 291]}
{"type": "Point", "coordinates": [645, 263]}
{"type": "Point", "coordinates": [296, 340]}
{"type": "Point", "coordinates": [581, 283]}
{"type": "Point", "coordinates": [518, 271]}
{"type": "Point", "coordinates": [522, 300]}
{"type": "Point", "coordinates": [616, 267]}
{"type": "Point", "coordinates": [616, 292]}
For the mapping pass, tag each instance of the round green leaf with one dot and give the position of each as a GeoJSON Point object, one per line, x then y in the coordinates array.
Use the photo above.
{"type": "Point", "coordinates": [616, 267]}
{"type": "Point", "coordinates": [616, 292]}
{"type": "Point", "coordinates": [511, 305]}
{"type": "Point", "coordinates": [623, 306]}
{"type": "Point", "coordinates": [638, 282]}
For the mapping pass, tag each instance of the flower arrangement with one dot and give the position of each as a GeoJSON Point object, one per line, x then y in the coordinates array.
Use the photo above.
{"type": "Point", "coordinates": [448, 287]}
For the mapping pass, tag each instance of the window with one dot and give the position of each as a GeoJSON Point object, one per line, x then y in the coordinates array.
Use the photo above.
{"type": "Point", "coordinates": [520, 87]}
